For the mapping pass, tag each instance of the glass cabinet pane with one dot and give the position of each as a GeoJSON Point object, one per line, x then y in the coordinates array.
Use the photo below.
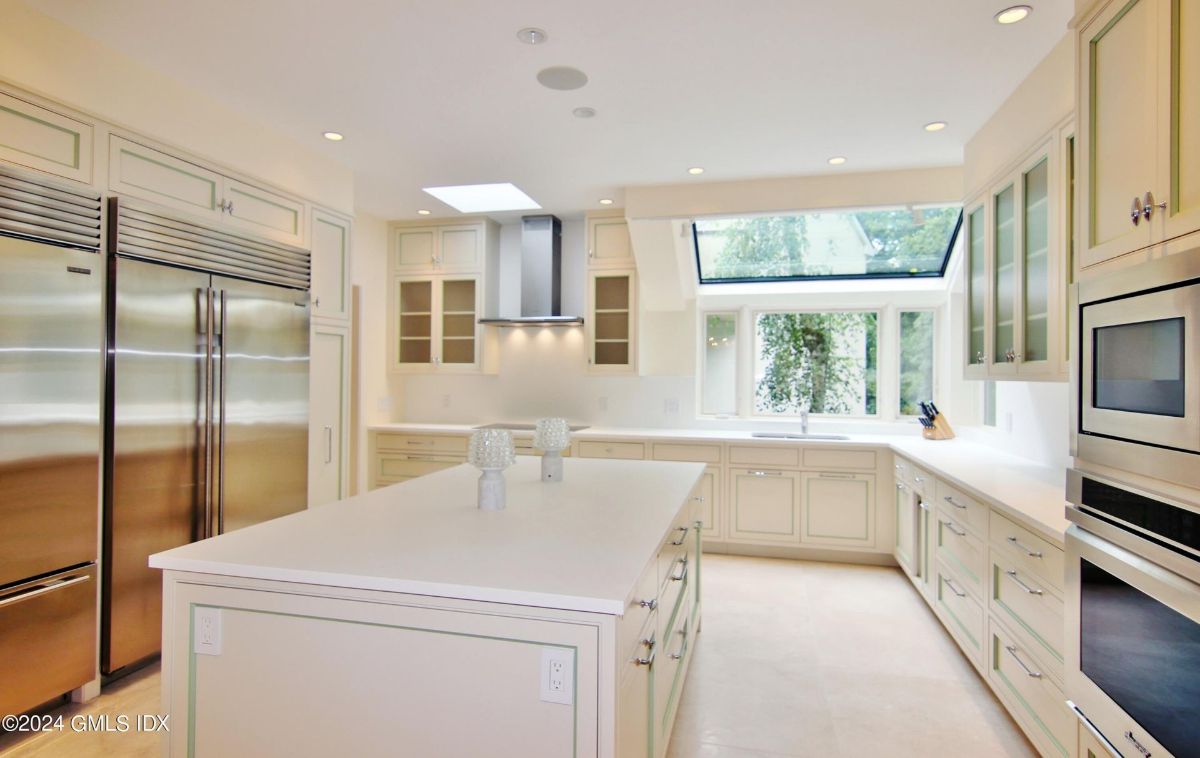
{"type": "Point", "coordinates": [1036, 278]}
{"type": "Point", "coordinates": [415, 305]}
{"type": "Point", "coordinates": [458, 321]}
{"type": "Point", "coordinates": [976, 285]}
{"type": "Point", "coordinates": [611, 320]}
{"type": "Point", "coordinates": [1005, 276]}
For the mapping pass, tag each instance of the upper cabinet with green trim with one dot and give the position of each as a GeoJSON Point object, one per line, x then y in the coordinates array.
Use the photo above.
{"type": "Point", "coordinates": [42, 139]}
{"type": "Point", "coordinates": [145, 172]}
{"type": "Point", "coordinates": [1139, 137]}
{"type": "Point", "coordinates": [330, 240]}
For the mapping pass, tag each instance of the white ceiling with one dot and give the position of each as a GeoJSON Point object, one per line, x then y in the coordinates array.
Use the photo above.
{"type": "Point", "coordinates": [440, 92]}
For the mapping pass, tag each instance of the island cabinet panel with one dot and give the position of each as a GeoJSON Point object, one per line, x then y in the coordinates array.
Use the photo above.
{"type": "Point", "coordinates": [837, 509]}
{"type": "Point", "coordinates": [707, 496]}
{"type": "Point", "coordinates": [764, 505]}
{"type": "Point", "coordinates": [365, 699]}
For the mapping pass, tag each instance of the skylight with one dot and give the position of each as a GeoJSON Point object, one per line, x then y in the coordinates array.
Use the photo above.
{"type": "Point", "coordinates": [484, 198]}
{"type": "Point", "coordinates": [869, 243]}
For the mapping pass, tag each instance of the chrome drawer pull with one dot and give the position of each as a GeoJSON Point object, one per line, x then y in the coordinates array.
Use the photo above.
{"type": "Point", "coordinates": [899, 486]}
{"type": "Point", "coordinates": [57, 584]}
{"type": "Point", "coordinates": [1012, 650]}
{"type": "Point", "coordinates": [683, 646]}
{"type": "Point", "coordinates": [1031, 553]}
{"type": "Point", "coordinates": [683, 573]}
{"type": "Point", "coordinates": [953, 589]}
{"type": "Point", "coordinates": [647, 661]}
{"type": "Point", "coordinates": [954, 502]}
{"type": "Point", "coordinates": [699, 498]}
{"type": "Point", "coordinates": [953, 529]}
{"type": "Point", "coordinates": [682, 537]}
{"type": "Point", "coordinates": [650, 604]}
{"type": "Point", "coordinates": [835, 476]}
{"type": "Point", "coordinates": [650, 643]}
{"type": "Point", "coordinates": [1012, 574]}
{"type": "Point", "coordinates": [923, 505]}
{"type": "Point", "coordinates": [918, 479]}
{"type": "Point", "coordinates": [1140, 748]}
{"type": "Point", "coordinates": [766, 473]}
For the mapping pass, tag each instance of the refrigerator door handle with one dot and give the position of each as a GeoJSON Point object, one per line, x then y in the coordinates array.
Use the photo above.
{"type": "Point", "coordinates": [207, 435]}
{"type": "Point", "coordinates": [221, 425]}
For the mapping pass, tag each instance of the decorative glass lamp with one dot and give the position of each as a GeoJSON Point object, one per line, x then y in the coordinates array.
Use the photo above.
{"type": "Point", "coordinates": [491, 451]}
{"type": "Point", "coordinates": [552, 436]}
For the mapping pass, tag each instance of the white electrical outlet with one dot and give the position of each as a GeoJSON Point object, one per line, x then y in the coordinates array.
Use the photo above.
{"type": "Point", "coordinates": [206, 628]}
{"type": "Point", "coordinates": [558, 675]}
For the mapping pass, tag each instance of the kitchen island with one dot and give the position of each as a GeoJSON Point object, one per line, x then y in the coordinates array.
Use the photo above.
{"type": "Point", "coordinates": [406, 621]}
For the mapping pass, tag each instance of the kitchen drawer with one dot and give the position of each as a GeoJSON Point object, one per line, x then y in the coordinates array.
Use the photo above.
{"type": "Point", "coordinates": [824, 458]}
{"type": "Point", "coordinates": [630, 451]}
{"type": "Point", "coordinates": [961, 613]}
{"type": "Point", "coordinates": [677, 451]}
{"type": "Point", "coordinates": [400, 467]}
{"type": "Point", "coordinates": [962, 551]}
{"type": "Point", "coordinates": [966, 510]}
{"type": "Point", "coordinates": [670, 670]}
{"type": "Point", "coordinates": [440, 443]}
{"type": "Point", "coordinates": [1034, 698]}
{"type": "Point", "coordinates": [766, 456]}
{"type": "Point", "coordinates": [1029, 552]}
{"type": "Point", "coordinates": [524, 446]}
{"type": "Point", "coordinates": [674, 594]}
{"type": "Point", "coordinates": [1028, 606]}
{"type": "Point", "coordinates": [638, 624]}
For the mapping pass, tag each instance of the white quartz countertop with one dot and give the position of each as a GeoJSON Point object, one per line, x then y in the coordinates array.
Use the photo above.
{"type": "Point", "coordinates": [580, 544]}
{"type": "Point", "coordinates": [1032, 494]}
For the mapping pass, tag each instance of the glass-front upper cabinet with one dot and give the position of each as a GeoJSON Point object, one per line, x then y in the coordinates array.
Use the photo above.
{"type": "Point", "coordinates": [1035, 264]}
{"type": "Point", "coordinates": [1004, 270]}
{"type": "Point", "coordinates": [436, 323]}
{"type": "Point", "coordinates": [977, 289]}
{"type": "Point", "coordinates": [610, 321]}
{"type": "Point", "coordinates": [458, 321]}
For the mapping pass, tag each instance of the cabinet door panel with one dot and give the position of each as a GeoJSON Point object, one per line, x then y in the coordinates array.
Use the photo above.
{"type": "Point", "coordinates": [1036, 279]}
{"type": "Point", "coordinates": [38, 138]}
{"type": "Point", "coordinates": [330, 266]}
{"type": "Point", "coordinates": [906, 534]}
{"type": "Point", "coordinates": [838, 509]}
{"type": "Point", "coordinates": [1004, 280]}
{"type": "Point", "coordinates": [977, 293]}
{"type": "Point", "coordinates": [458, 321]}
{"type": "Point", "coordinates": [264, 212]}
{"type": "Point", "coordinates": [609, 243]}
{"type": "Point", "coordinates": [144, 172]}
{"type": "Point", "coordinates": [1183, 202]}
{"type": "Point", "coordinates": [414, 321]}
{"type": "Point", "coordinates": [707, 490]}
{"type": "Point", "coordinates": [414, 249]}
{"type": "Point", "coordinates": [610, 322]}
{"type": "Point", "coordinates": [764, 505]}
{"type": "Point", "coordinates": [1118, 59]}
{"type": "Point", "coordinates": [327, 403]}
{"type": "Point", "coordinates": [460, 248]}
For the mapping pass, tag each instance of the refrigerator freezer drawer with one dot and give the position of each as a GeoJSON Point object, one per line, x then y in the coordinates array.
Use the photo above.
{"type": "Point", "coordinates": [47, 638]}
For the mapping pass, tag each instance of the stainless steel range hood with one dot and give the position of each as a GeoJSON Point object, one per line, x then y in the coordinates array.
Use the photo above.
{"type": "Point", "coordinates": [541, 276]}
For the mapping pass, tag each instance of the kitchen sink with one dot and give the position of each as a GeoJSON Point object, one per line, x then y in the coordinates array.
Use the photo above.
{"type": "Point", "coordinates": [793, 436]}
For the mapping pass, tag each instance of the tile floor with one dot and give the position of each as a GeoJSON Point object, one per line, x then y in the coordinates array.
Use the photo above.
{"type": "Point", "coordinates": [793, 659]}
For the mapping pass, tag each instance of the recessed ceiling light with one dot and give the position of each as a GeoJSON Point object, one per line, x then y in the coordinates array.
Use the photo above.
{"type": "Point", "coordinates": [531, 35]}
{"type": "Point", "coordinates": [1014, 14]}
{"type": "Point", "coordinates": [484, 198]}
{"type": "Point", "coordinates": [562, 78]}
{"type": "Point", "coordinates": [935, 126]}
{"type": "Point", "coordinates": [695, 171]}
{"type": "Point", "coordinates": [423, 212]}
{"type": "Point", "coordinates": [333, 136]}
{"type": "Point", "coordinates": [837, 160]}
{"type": "Point", "coordinates": [584, 112]}
{"type": "Point", "coordinates": [605, 201]}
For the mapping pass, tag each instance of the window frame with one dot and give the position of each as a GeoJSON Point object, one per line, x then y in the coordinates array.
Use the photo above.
{"type": "Point", "coordinates": [941, 273]}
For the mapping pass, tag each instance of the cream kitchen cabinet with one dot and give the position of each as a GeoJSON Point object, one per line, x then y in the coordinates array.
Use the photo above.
{"type": "Point", "coordinates": [331, 247]}
{"type": "Point", "coordinates": [608, 241]}
{"type": "Point", "coordinates": [905, 550]}
{"type": "Point", "coordinates": [145, 172]}
{"type": "Point", "coordinates": [434, 324]}
{"type": "Point", "coordinates": [611, 322]}
{"type": "Point", "coordinates": [461, 247]}
{"type": "Point", "coordinates": [328, 413]}
{"type": "Point", "coordinates": [837, 509]}
{"type": "Point", "coordinates": [1016, 271]}
{"type": "Point", "coordinates": [397, 457]}
{"type": "Point", "coordinates": [1139, 109]}
{"type": "Point", "coordinates": [43, 139]}
{"type": "Point", "coordinates": [764, 506]}
{"type": "Point", "coordinates": [708, 489]}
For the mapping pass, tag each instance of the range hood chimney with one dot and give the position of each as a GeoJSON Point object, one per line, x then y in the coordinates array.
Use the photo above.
{"type": "Point", "coordinates": [541, 276]}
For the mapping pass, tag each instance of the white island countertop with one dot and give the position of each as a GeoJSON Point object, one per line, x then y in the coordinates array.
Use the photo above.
{"type": "Point", "coordinates": [580, 544]}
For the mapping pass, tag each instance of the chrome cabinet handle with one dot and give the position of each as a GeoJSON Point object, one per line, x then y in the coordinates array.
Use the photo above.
{"type": "Point", "coordinates": [953, 529]}
{"type": "Point", "coordinates": [899, 486]}
{"type": "Point", "coordinates": [682, 537]}
{"type": "Point", "coordinates": [954, 502]}
{"type": "Point", "coordinates": [57, 584]}
{"type": "Point", "coordinates": [1137, 745]}
{"type": "Point", "coordinates": [1012, 650]}
{"type": "Point", "coordinates": [699, 498]}
{"type": "Point", "coordinates": [953, 589]}
{"type": "Point", "coordinates": [683, 646]}
{"type": "Point", "coordinates": [766, 473]}
{"type": "Point", "coordinates": [650, 643]}
{"type": "Point", "coordinates": [918, 479]}
{"type": "Point", "coordinates": [650, 604]}
{"type": "Point", "coordinates": [1012, 574]}
{"type": "Point", "coordinates": [1028, 551]}
{"type": "Point", "coordinates": [826, 475]}
{"type": "Point", "coordinates": [1148, 205]}
{"type": "Point", "coordinates": [683, 573]}
{"type": "Point", "coordinates": [329, 444]}
{"type": "Point", "coordinates": [899, 467]}
{"type": "Point", "coordinates": [647, 661]}
{"type": "Point", "coordinates": [923, 505]}
{"type": "Point", "coordinates": [1135, 211]}
{"type": "Point", "coordinates": [415, 442]}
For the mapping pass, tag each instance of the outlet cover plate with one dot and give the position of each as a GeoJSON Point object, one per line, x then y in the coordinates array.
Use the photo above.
{"type": "Point", "coordinates": [558, 675]}
{"type": "Point", "coordinates": [206, 630]}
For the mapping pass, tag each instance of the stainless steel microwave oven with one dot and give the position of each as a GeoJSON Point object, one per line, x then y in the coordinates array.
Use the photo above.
{"type": "Point", "coordinates": [1137, 370]}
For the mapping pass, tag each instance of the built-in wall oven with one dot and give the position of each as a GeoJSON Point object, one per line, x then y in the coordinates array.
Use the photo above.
{"type": "Point", "coordinates": [1133, 593]}
{"type": "Point", "coordinates": [1138, 378]}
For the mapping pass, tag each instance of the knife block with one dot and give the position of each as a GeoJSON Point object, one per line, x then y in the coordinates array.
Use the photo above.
{"type": "Point", "coordinates": [941, 429]}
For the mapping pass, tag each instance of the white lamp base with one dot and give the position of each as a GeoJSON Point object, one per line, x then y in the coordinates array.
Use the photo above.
{"type": "Point", "coordinates": [491, 490]}
{"type": "Point", "coordinates": [552, 466]}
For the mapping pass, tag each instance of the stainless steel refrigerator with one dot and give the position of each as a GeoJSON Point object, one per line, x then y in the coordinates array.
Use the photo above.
{"type": "Point", "coordinates": [51, 331]}
{"type": "Point", "coordinates": [207, 407]}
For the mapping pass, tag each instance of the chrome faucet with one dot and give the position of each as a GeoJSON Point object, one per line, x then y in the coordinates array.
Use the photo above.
{"type": "Point", "coordinates": [804, 421]}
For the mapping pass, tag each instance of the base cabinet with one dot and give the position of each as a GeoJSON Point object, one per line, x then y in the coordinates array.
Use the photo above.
{"type": "Point", "coordinates": [329, 413]}
{"type": "Point", "coordinates": [764, 505]}
{"type": "Point", "coordinates": [907, 531]}
{"type": "Point", "coordinates": [837, 509]}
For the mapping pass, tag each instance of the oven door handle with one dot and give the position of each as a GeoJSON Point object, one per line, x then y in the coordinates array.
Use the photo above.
{"type": "Point", "coordinates": [1087, 724]}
